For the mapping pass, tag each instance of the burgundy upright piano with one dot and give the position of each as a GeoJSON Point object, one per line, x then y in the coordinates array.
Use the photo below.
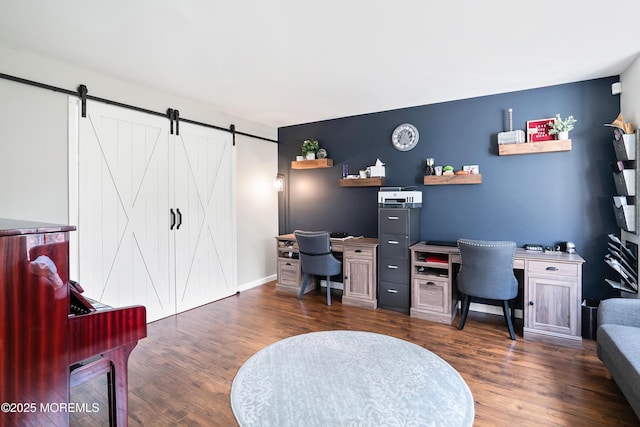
{"type": "Point", "coordinates": [41, 338]}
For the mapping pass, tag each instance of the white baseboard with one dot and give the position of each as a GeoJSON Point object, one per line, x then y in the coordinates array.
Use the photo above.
{"type": "Point", "coordinates": [256, 283]}
{"type": "Point", "coordinates": [334, 285]}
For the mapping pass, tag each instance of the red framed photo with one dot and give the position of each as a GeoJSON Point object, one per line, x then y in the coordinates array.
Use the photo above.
{"type": "Point", "coordinates": [538, 130]}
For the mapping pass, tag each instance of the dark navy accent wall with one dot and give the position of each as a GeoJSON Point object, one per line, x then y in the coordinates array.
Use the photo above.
{"type": "Point", "coordinates": [535, 198]}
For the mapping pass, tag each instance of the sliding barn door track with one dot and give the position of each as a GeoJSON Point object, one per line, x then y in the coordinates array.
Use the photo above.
{"type": "Point", "coordinates": [172, 114]}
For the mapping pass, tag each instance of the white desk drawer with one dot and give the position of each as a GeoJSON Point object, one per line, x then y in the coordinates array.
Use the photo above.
{"type": "Point", "coordinates": [555, 268]}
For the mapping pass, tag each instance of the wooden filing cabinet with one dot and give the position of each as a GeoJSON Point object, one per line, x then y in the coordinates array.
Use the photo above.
{"type": "Point", "coordinates": [553, 293]}
{"type": "Point", "coordinates": [359, 273]}
{"type": "Point", "coordinates": [289, 272]}
{"type": "Point", "coordinates": [433, 296]}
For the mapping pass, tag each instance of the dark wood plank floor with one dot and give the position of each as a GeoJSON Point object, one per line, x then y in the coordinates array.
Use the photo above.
{"type": "Point", "coordinates": [181, 373]}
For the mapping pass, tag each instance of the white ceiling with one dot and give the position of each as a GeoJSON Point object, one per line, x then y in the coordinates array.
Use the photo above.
{"type": "Point", "coordinates": [284, 62]}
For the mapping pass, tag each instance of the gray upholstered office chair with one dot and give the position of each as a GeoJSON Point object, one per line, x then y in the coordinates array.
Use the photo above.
{"type": "Point", "coordinates": [316, 258]}
{"type": "Point", "coordinates": [486, 271]}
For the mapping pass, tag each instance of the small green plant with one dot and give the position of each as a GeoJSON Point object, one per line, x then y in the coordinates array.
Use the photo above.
{"type": "Point", "coordinates": [310, 146]}
{"type": "Point", "coordinates": [561, 125]}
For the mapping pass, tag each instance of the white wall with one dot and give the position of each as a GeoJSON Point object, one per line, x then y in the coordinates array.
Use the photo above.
{"type": "Point", "coordinates": [630, 108]}
{"type": "Point", "coordinates": [33, 152]}
{"type": "Point", "coordinates": [630, 97]}
{"type": "Point", "coordinates": [257, 211]}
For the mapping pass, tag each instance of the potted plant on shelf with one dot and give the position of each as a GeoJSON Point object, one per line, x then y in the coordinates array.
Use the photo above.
{"type": "Point", "coordinates": [561, 127]}
{"type": "Point", "coordinates": [310, 148]}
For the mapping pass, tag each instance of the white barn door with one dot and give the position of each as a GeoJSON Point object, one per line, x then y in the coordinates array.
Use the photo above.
{"type": "Point", "coordinates": [205, 243]}
{"type": "Point", "coordinates": [123, 241]}
{"type": "Point", "coordinates": [128, 175]}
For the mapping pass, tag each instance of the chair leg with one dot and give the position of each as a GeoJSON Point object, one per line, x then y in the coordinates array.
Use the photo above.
{"type": "Point", "coordinates": [305, 281]}
{"type": "Point", "coordinates": [328, 291]}
{"type": "Point", "coordinates": [507, 317]}
{"type": "Point", "coordinates": [466, 302]}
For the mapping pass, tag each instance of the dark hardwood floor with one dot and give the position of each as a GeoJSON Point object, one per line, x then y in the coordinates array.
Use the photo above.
{"type": "Point", "coordinates": [181, 374]}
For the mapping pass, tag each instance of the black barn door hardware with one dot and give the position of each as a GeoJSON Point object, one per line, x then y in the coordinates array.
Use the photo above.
{"type": "Point", "coordinates": [170, 115]}
{"type": "Point", "coordinates": [83, 93]}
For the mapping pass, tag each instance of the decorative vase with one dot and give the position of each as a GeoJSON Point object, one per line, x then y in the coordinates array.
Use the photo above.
{"type": "Point", "coordinates": [311, 156]}
{"type": "Point", "coordinates": [563, 135]}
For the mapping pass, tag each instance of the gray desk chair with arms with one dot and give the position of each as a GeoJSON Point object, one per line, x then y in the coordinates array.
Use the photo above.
{"type": "Point", "coordinates": [316, 258]}
{"type": "Point", "coordinates": [486, 271]}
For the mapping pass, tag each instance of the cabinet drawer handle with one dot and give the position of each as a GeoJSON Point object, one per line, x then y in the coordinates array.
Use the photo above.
{"type": "Point", "coordinates": [288, 263]}
{"type": "Point", "coordinates": [431, 283]}
{"type": "Point", "coordinates": [393, 242]}
{"type": "Point", "coordinates": [552, 268]}
{"type": "Point", "coordinates": [393, 267]}
{"type": "Point", "coordinates": [393, 217]}
{"type": "Point", "coordinates": [392, 291]}
{"type": "Point", "coordinates": [358, 251]}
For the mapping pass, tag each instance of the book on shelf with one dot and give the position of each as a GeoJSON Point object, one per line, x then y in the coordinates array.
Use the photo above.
{"type": "Point", "coordinates": [438, 258]}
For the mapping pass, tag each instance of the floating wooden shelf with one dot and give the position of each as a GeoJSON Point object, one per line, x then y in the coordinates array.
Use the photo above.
{"type": "Point", "coordinates": [377, 181]}
{"type": "Point", "coordinates": [312, 164]}
{"type": "Point", "coordinates": [534, 147]}
{"type": "Point", "coordinates": [474, 178]}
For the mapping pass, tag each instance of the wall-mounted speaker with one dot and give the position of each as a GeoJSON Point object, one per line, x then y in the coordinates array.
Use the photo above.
{"type": "Point", "coordinates": [616, 88]}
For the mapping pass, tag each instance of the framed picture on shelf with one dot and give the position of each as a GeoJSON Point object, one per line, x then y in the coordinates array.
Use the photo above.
{"type": "Point", "coordinates": [538, 130]}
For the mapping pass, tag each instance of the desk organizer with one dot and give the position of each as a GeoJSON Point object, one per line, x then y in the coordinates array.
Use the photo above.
{"type": "Point", "coordinates": [625, 217]}
{"type": "Point", "coordinates": [625, 182]}
{"type": "Point", "coordinates": [625, 147]}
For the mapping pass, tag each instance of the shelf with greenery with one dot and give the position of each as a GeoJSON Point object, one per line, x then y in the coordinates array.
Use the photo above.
{"type": "Point", "coordinates": [534, 147]}
{"type": "Point", "coordinates": [559, 127]}
{"type": "Point", "coordinates": [310, 146]}
{"type": "Point", "coordinates": [312, 164]}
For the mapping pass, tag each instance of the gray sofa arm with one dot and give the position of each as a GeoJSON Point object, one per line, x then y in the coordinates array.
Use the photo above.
{"type": "Point", "coordinates": [619, 311]}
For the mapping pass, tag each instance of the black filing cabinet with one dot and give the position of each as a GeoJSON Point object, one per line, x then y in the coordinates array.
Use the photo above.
{"type": "Point", "coordinates": [398, 229]}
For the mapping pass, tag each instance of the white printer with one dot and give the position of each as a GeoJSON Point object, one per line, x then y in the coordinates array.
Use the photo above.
{"type": "Point", "coordinates": [399, 197]}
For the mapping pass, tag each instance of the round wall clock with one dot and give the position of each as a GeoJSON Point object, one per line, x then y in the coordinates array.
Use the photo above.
{"type": "Point", "coordinates": [405, 137]}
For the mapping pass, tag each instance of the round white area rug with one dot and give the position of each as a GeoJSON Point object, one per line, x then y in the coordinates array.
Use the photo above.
{"type": "Point", "coordinates": [349, 378]}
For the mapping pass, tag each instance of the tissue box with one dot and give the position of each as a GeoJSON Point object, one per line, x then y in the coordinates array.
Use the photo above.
{"type": "Point", "coordinates": [377, 171]}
